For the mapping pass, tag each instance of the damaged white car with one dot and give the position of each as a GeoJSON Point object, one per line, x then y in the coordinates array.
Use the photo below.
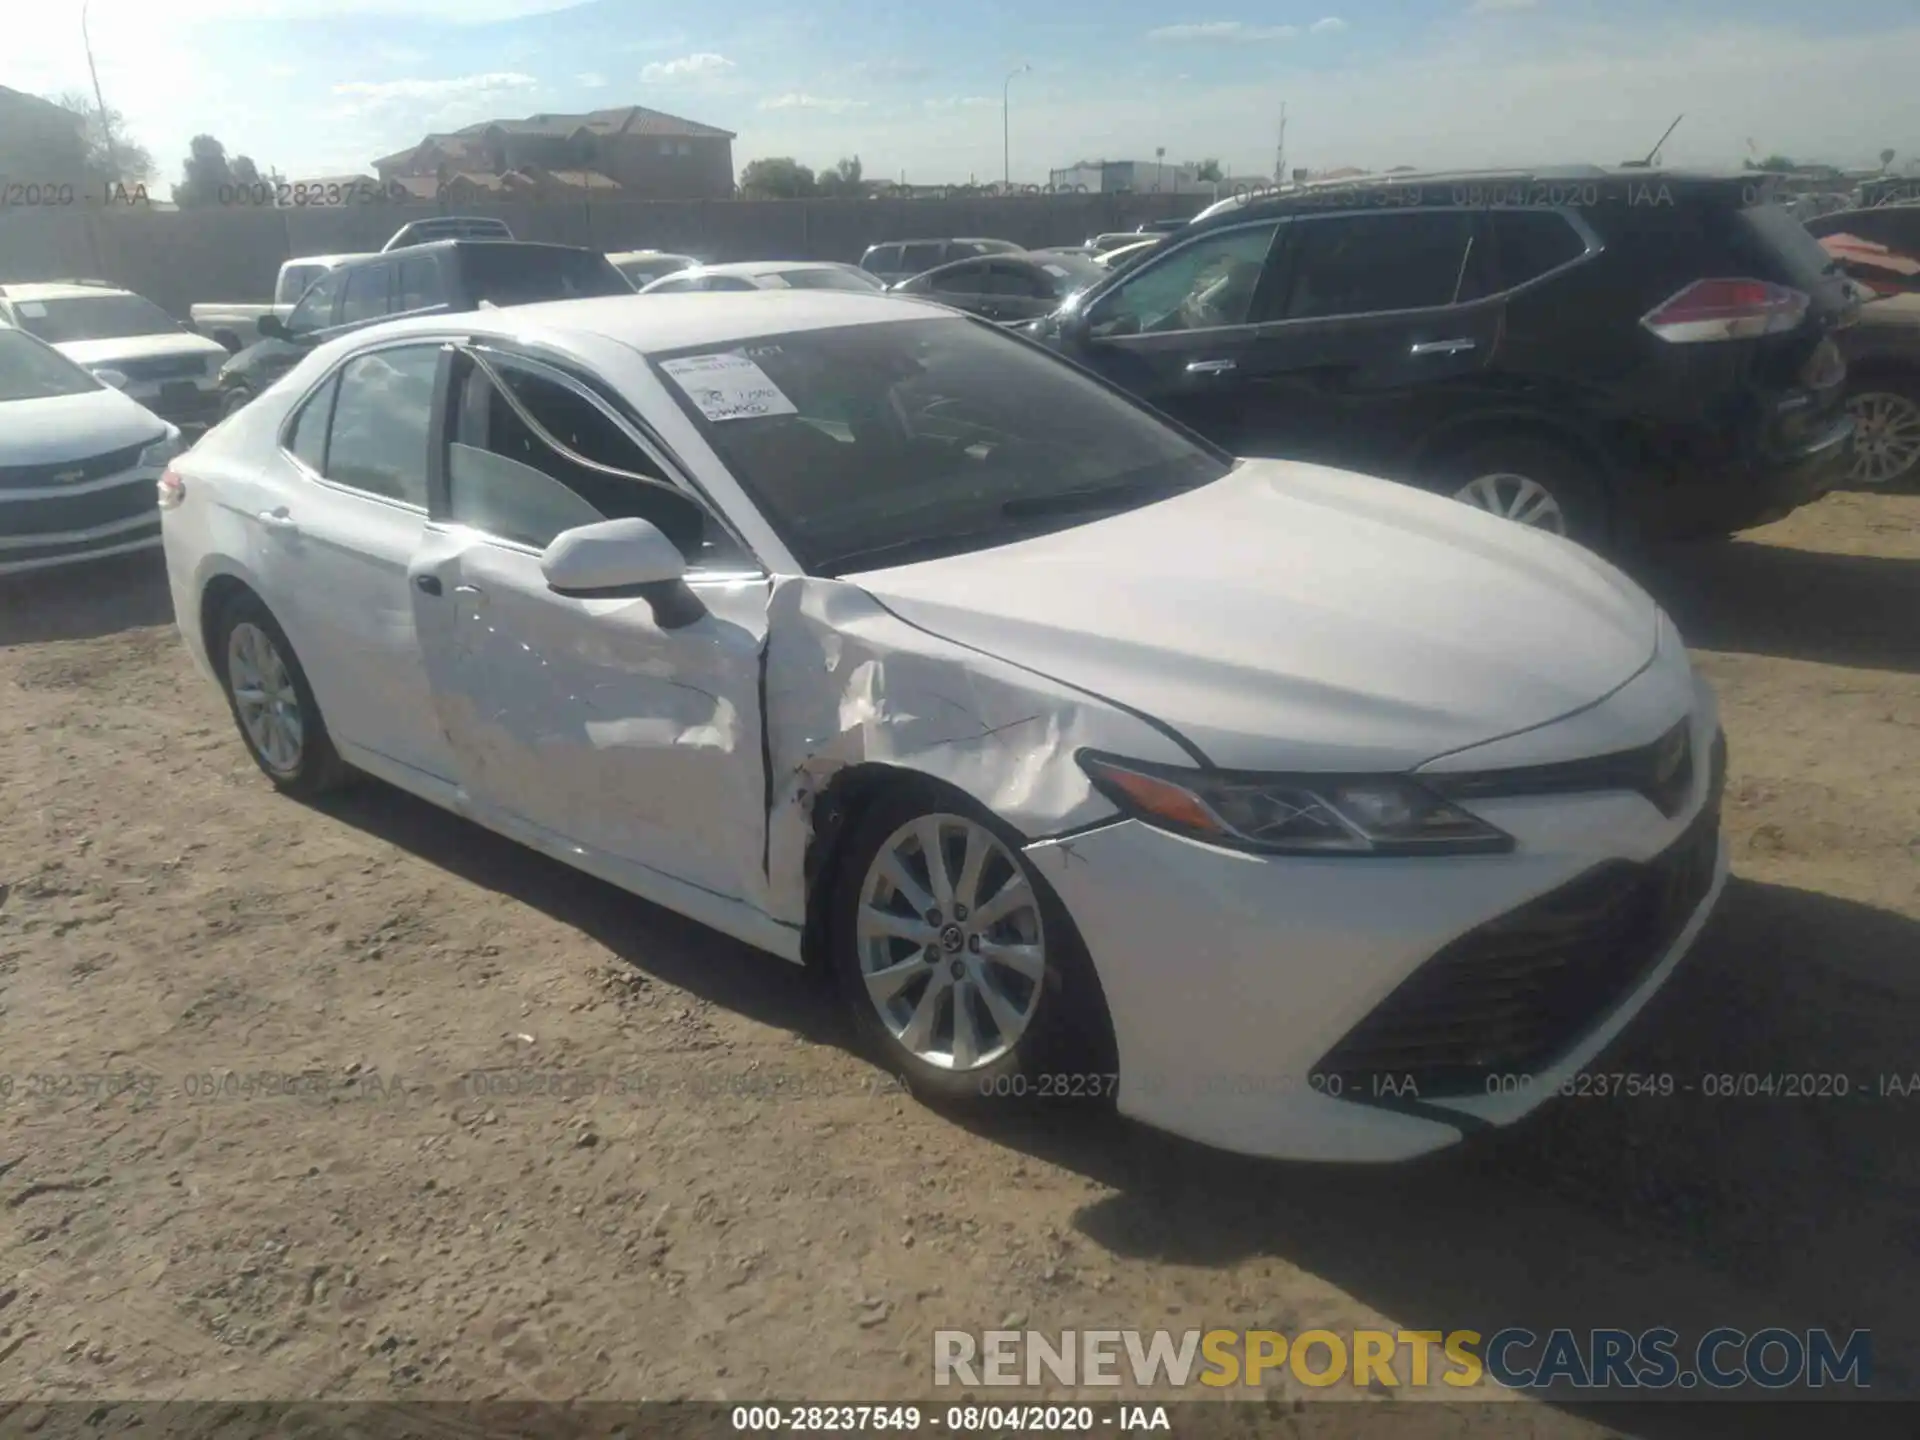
{"type": "Point", "coordinates": [1300, 813]}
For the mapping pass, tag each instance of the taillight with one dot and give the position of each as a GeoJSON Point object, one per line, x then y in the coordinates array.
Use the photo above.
{"type": "Point", "coordinates": [172, 489]}
{"type": "Point", "coordinates": [1727, 310]}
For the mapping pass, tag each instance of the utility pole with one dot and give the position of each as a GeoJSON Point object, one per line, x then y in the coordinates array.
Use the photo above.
{"type": "Point", "coordinates": [1280, 150]}
{"type": "Point", "coordinates": [106, 129]}
{"type": "Point", "coordinates": [1006, 129]}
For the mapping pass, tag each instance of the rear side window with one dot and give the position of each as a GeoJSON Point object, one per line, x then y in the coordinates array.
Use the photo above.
{"type": "Point", "coordinates": [960, 280]}
{"type": "Point", "coordinates": [916, 258]}
{"type": "Point", "coordinates": [884, 257]}
{"type": "Point", "coordinates": [381, 420]}
{"type": "Point", "coordinates": [1368, 264]}
{"type": "Point", "coordinates": [307, 440]}
{"type": "Point", "coordinates": [1530, 243]}
{"type": "Point", "coordinates": [294, 281]}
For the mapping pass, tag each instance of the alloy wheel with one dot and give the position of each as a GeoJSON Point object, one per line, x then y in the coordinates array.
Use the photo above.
{"type": "Point", "coordinates": [1516, 498]}
{"type": "Point", "coordinates": [265, 697]}
{"type": "Point", "coordinates": [951, 945]}
{"type": "Point", "coordinates": [1886, 444]}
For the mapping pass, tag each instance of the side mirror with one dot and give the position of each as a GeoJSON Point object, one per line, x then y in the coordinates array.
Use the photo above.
{"type": "Point", "coordinates": [273, 327]}
{"type": "Point", "coordinates": [613, 559]}
{"type": "Point", "coordinates": [117, 379]}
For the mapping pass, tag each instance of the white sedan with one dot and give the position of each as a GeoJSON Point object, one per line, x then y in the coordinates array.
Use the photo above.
{"type": "Point", "coordinates": [766, 275]}
{"type": "Point", "coordinates": [1298, 812]}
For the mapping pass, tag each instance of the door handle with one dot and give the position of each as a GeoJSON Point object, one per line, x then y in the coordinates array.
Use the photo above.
{"type": "Point", "coordinates": [1211, 367]}
{"type": "Point", "coordinates": [472, 596]}
{"type": "Point", "coordinates": [427, 584]}
{"type": "Point", "coordinates": [1443, 347]}
{"type": "Point", "coordinates": [280, 519]}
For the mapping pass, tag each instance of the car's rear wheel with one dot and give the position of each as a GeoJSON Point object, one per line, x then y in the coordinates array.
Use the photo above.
{"type": "Point", "coordinates": [1886, 437]}
{"type": "Point", "coordinates": [1531, 482]}
{"type": "Point", "coordinates": [271, 701]}
{"type": "Point", "coordinates": [960, 967]}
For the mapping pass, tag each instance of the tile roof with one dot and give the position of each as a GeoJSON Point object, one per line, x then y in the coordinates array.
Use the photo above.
{"type": "Point", "coordinates": [621, 120]}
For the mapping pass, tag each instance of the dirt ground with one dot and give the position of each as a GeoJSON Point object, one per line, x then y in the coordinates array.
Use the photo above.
{"type": "Point", "coordinates": [751, 1212]}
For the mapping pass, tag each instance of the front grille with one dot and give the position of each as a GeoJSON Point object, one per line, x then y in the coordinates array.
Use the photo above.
{"type": "Point", "coordinates": [59, 514]}
{"type": "Point", "coordinates": [1662, 771]}
{"type": "Point", "coordinates": [1513, 996]}
{"type": "Point", "coordinates": [162, 367]}
{"type": "Point", "coordinates": [80, 549]}
{"type": "Point", "coordinates": [63, 472]}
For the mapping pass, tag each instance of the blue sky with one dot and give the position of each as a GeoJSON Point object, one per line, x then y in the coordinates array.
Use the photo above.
{"type": "Point", "coordinates": [324, 86]}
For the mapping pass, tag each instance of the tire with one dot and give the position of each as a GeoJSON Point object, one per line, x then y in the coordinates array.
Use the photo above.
{"type": "Point", "coordinates": [1886, 413]}
{"type": "Point", "coordinates": [1534, 477]}
{"type": "Point", "coordinates": [311, 766]}
{"type": "Point", "coordinates": [1063, 1046]}
{"type": "Point", "coordinates": [235, 400]}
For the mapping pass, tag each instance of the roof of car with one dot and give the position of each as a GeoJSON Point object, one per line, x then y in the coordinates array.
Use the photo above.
{"type": "Point", "coordinates": [762, 267]}
{"type": "Point", "coordinates": [622, 257]}
{"type": "Point", "coordinates": [59, 289]}
{"type": "Point", "coordinates": [675, 322]}
{"type": "Point", "coordinates": [330, 261]}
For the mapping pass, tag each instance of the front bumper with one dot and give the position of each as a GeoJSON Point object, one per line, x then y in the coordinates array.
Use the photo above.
{"type": "Point", "coordinates": [47, 526]}
{"type": "Point", "coordinates": [1231, 977]}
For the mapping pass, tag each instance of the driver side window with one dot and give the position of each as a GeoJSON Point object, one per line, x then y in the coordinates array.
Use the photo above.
{"type": "Point", "coordinates": [315, 310]}
{"type": "Point", "coordinates": [504, 480]}
{"type": "Point", "coordinates": [1202, 286]}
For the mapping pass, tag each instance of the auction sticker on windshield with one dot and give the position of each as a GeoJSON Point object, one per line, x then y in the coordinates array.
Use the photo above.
{"type": "Point", "coordinates": [728, 387]}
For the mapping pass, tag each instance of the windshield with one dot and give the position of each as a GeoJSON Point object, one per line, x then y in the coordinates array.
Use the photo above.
{"type": "Point", "coordinates": [31, 371]}
{"type": "Point", "coordinates": [93, 317]}
{"type": "Point", "coordinates": [526, 274]}
{"type": "Point", "coordinates": [830, 280]}
{"type": "Point", "coordinates": [868, 445]}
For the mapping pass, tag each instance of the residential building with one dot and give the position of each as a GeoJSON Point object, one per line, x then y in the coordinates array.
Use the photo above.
{"type": "Point", "coordinates": [629, 151]}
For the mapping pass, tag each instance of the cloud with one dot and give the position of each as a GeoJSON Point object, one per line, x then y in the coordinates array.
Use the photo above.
{"type": "Point", "coordinates": [1223, 30]}
{"type": "Point", "coordinates": [962, 102]}
{"type": "Point", "coordinates": [1489, 7]}
{"type": "Point", "coordinates": [687, 67]}
{"type": "Point", "coordinates": [455, 88]}
{"type": "Point", "coordinates": [592, 80]}
{"type": "Point", "coordinates": [811, 102]}
{"type": "Point", "coordinates": [1329, 26]}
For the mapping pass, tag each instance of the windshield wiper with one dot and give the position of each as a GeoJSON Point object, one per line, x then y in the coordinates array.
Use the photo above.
{"type": "Point", "coordinates": [1090, 497]}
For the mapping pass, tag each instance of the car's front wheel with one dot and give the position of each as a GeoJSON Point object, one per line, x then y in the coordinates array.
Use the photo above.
{"type": "Point", "coordinates": [271, 701]}
{"type": "Point", "coordinates": [961, 969]}
{"type": "Point", "coordinates": [1886, 437]}
{"type": "Point", "coordinates": [1533, 483]}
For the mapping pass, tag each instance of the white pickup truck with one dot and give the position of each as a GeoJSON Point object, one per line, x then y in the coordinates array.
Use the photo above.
{"type": "Point", "coordinates": [235, 326]}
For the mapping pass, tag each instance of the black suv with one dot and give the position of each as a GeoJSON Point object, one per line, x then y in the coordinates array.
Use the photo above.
{"type": "Point", "coordinates": [1598, 353]}
{"type": "Point", "coordinates": [440, 275]}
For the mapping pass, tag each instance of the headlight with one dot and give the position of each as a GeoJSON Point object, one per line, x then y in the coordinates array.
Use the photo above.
{"type": "Point", "coordinates": [163, 449]}
{"type": "Point", "coordinates": [1294, 814]}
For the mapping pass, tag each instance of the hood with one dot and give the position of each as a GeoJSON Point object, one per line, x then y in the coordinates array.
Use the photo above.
{"type": "Point", "coordinates": [137, 347]}
{"type": "Point", "coordinates": [1291, 616]}
{"type": "Point", "coordinates": [74, 427]}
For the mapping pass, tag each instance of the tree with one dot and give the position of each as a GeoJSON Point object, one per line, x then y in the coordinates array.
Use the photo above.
{"type": "Point", "coordinates": [779, 177]}
{"type": "Point", "coordinates": [1208, 171]}
{"type": "Point", "coordinates": [843, 179]}
{"type": "Point", "coordinates": [205, 172]}
{"type": "Point", "coordinates": [1773, 162]}
{"type": "Point", "coordinates": [245, 172]}
{"type": "Point", "coordinates": [123, 159]}
{"type": "Point", "coordinates": [1886, 159]}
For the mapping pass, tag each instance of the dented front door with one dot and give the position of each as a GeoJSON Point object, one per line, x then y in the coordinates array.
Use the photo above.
{"type": "Point", "coordinates": [584, 718]}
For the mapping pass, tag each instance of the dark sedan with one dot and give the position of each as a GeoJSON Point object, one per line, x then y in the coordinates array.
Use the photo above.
{"type": "Point", "coordinates": [1007, 288]}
